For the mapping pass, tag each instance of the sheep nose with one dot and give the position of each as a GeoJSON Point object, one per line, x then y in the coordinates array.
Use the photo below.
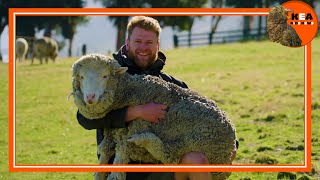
{"type": "Point", "coordinates": [90, 98]}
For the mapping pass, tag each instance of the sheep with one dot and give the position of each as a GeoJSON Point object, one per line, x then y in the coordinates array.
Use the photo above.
{"type": "Point", "coordinates": [21, 49]}
{"type": "Point", "coordinates": [45, 48]}
{"type": "Point", "coordinates": [192, 122]}
{"type": "Point", "coordinates": [278, 29]}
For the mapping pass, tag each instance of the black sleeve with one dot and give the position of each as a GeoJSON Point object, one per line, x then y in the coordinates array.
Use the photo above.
{"type": "Point", "coordinates": [171, 79]}
{"type": "Point", "coordinates": [114, 119]}
{"type": "Point", "coordinates": [179, 83]}
{"type": "Point", "coordinates": [184, 85]}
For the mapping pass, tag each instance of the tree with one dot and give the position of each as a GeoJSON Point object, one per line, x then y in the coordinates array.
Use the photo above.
{"type": "Point", "coordinates": [121, 21]}
{"type": "Point", "coordinates": [259, 4]}
{"type": "Point", "coordinates": [215, 19]}
{"type": "Point", "coordinates": [69, 27]}
{"type": "Point", "coordinates": [177, 22]}
{"type": "Point", "coordinates": [3, 17]}
{"type": "Point", "coordinates": [28, 25]}
{"type": "Point", "coordinates": [309, 2]}
{"type": "Point", "coordinates": [246, 19]}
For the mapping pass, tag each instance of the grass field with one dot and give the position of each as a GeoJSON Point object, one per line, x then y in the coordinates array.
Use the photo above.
{"type": "Point", "coordinates": [259, 84]}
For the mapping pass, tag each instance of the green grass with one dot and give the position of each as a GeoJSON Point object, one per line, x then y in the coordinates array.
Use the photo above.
{"type": "Point", "coordinates": [259, 84]}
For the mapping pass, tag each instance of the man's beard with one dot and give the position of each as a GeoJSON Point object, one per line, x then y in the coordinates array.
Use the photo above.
{"type": "Point", "coordinates": [143, 64]}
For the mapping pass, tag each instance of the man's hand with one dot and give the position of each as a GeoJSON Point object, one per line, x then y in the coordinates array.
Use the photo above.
{"type": "Point", "coordinates": [149, 112]}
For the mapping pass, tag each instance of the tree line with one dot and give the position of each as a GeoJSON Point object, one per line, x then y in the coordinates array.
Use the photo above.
{"type": "Point", "coordinates": [67, 25]}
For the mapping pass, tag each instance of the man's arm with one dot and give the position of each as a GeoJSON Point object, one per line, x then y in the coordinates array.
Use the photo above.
{"type": "Point", "coordinates": [119, 118]}
{"type": "Point", "coordinates": [151, 112]}
{"type": "Point", "coordinates": [114, 119]}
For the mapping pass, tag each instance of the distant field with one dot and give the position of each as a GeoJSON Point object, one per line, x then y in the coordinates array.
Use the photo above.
{"type": "Point", "coordinates": [259, 84]}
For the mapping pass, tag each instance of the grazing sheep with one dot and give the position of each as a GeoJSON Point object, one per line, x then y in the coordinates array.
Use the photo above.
{"type": "Point", "coordinates": [45, 48]}
{"type": "Point", "coordinates": [192, 122]}
{"type": "Point", "coordinates": [279, 30]}
{"type": "Point", "coordinates": [21, 49]}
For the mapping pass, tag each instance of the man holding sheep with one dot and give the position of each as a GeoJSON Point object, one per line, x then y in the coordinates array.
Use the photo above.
{"type": "Point", "coordinates": [141, 55]}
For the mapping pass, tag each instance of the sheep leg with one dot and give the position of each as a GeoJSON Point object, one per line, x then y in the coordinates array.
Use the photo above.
{"type": "Point", "coordinates": [104, 158]}
{"type": "Point", "coordinates": [100, 175]}
{"type": "Point", "coordinates": [120, 158]}
{"type": "Point", "coordinates": [154, 145]}
{"type": "Point", "coordinates": [106, 149]}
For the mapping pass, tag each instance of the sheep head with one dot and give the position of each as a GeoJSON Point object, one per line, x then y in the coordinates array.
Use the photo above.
{"type": "Point", "coordinates": [94, 82]}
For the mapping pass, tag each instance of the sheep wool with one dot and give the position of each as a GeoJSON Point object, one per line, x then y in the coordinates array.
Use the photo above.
{"type": "Point", "coordinates": [192, 122]}
{"type": "Point", "coordinates": [45, 48]}
{"type": "Point", "coordinates": [21, 49]}
{"type": "Point", "coordinates": [278, 29]}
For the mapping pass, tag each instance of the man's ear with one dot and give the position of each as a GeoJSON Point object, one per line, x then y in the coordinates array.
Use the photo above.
{"type": "Point", "coordinates": [120, 70]}
{"type": "Point", "coordinates": [158, 44]}
{"type": "Point", "coordinates": [127, 43]}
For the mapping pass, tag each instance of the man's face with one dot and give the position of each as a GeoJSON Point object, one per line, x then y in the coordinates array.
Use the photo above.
{"type": "Point", "coordinates": [143, 47]}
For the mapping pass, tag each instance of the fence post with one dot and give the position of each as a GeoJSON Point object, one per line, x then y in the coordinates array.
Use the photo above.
{"type": "Point", "coordinates": [210, 37]}
{"type": "Point", "coordinates": [175, 41]}
{"type": "Point", "coordinates": [189, 39]}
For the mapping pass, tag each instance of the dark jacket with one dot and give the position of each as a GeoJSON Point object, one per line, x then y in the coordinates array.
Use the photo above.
{"type": "Point", "coordinates": [116, 118]}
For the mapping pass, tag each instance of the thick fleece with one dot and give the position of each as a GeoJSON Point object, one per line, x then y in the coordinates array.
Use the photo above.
{"type": "Point", "coordinates": [45, 48]}
{"type": "Point", "coordinates": [192, 123]}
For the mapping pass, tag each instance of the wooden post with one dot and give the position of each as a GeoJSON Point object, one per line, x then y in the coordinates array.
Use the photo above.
{"type": "Point", "coordinates": [210, 37]}
{"type": "Point", "coordinates": [189, 39]}
{"type": "Point", "coordinates": [175, 41]}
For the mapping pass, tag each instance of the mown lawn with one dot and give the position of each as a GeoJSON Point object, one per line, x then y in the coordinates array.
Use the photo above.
{"type": "Point", "coordinates": [259, 84]}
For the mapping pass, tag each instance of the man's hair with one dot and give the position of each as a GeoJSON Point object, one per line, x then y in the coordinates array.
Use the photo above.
{"type": "Point", "coordinates": [144, 22]}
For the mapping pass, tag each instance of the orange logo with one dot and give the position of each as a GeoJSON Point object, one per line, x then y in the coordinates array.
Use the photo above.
{"type": "Point", "coordinates": [303, 19]}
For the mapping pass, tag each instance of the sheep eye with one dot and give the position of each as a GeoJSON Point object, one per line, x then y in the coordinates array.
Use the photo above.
{"type": "Point", "coordinates": [81, 77]}
{"type": "Point", "coordinates": [105, 76]}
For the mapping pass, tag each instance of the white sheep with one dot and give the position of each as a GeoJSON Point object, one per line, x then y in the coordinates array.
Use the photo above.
{"type": "Point", "coordinates": [21, 49]}
{"type": "Point", "coordinates": [45, 48]}
{"type": "Point", "coordinates": [192, 122]}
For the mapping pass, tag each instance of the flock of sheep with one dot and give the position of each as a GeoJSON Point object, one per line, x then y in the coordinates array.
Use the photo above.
{"type": "Point", "coordinates": [42, 48]}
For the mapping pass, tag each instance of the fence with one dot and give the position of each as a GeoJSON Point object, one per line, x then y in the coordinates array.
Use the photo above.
{"type": "Point", "coordinates": [195, 39]}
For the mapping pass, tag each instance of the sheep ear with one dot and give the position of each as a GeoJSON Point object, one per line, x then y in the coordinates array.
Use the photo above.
{"type": "Point", "coordinates": [75, 84]}
{"type": "Point", "coordinates": [120, 70]}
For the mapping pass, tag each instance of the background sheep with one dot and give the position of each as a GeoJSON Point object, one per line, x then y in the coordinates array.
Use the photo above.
{"type": "Point", "coordinates": [279, 30]}
{"type": "Point", "coordinates": [192, 123]}
{"type": "Point", "coordinates": [21, 49]}
{"type": "Point", "coordinates": [45, 48]}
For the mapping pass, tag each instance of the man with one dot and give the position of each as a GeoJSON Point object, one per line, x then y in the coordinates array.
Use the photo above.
{"type": "Point", "coordinates": [142, 56]}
